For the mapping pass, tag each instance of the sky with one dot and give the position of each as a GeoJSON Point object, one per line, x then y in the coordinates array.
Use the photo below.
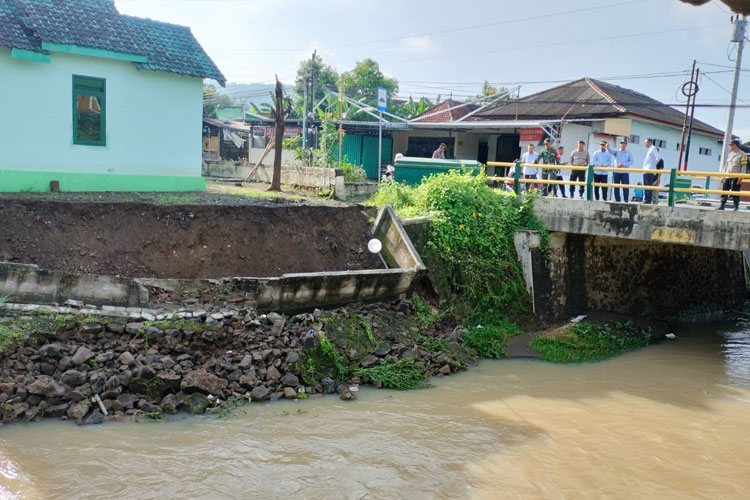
{"type": "Point", "coordinates": [450, 47]}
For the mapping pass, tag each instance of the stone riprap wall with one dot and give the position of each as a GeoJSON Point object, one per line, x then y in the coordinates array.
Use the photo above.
{"type": "Point", "coordinates": [89, 370]}
{"type": "Point", "coordinates": [638, 278]}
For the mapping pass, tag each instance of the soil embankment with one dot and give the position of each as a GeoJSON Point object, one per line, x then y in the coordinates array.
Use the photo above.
{"type": "Point", "coordinates": [184, 241]}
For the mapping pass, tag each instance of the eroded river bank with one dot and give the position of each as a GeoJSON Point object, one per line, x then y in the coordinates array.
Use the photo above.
{"type": "Point", "coordinates": [668, 421]}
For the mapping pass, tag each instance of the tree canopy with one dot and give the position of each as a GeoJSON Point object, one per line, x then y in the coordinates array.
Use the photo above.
{"type": "Point", "coordinates": [212, 100]}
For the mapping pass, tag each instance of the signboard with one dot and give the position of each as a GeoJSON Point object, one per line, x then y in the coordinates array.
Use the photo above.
{"type": "Point", "coordinates": [531, 135]}
{"type": "Point", "coordinates": [382, 99]}
{"type": "Point", "coordinates": [289, 132]}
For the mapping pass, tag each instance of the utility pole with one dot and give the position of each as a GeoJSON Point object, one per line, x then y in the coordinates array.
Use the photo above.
{"type": "Point", "coordinates": [686, 90]}
{"type": "Point", "coordinates": [690, 127]}
{"type": "Point", "coordinates": [312, 90]}
{"type": "Point", "coordinates": [738, 37]}
{"type": "Point", "coordinates": [341, 120]}
{"type": "Point", "coordinates": [304, 119]}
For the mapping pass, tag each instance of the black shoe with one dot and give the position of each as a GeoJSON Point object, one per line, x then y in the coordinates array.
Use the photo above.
{"type": "Point", "coordinates": [736, 208]}
{"type": "Point", "coordinates": [721, 207]}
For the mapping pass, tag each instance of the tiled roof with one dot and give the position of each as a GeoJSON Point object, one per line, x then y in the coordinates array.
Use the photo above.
{"type": "Point", "coordinates": [13, 32]}
{"type": "Point", "coordinates": [98, 24]}
{"type": "Point", "coordinates": [589, 98]}
{"type": "Point", "coordinates": [434, 115]}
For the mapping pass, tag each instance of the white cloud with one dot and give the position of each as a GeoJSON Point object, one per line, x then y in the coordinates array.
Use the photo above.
{"type": "Point", "coordinates": [422, 45]}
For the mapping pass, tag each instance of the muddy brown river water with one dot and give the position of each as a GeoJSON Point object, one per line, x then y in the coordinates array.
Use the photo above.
{"type": "Point", "coordinates": [670, 421]}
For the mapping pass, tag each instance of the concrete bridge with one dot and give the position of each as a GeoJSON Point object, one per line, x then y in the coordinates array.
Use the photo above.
{"type": "Point", "coordinates": [635, 259]}
{"type": "Point", "coordinates": [658, 223]}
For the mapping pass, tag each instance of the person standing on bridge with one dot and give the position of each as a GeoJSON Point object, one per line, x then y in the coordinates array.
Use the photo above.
{"type": "Point", "coordinates": [529, 172]}
{"type": "Point", "coordinates": [579, 158]}
{"type": "Point", "coordinates": [624, 159]}
{"type": "Point", "coordinates": [736, 163]}
{"type": "Point", "coordinates": [548, 157]}
{"type": "Point", "coordinates": [560, 158]}
{"type": "Point", "coordinates": [649, 163]}
{"type": "Point", "coordinates": [602, 158]}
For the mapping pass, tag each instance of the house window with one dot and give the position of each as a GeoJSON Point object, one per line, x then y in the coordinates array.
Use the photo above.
{"type": "Point", "coordinates": [704, 151]}
{"type": "Point", "coordinates": [89, 111]}
{"type": "Point", "coordinates": [423, 147]}
{"type": "Point", "coordinates": [634, 139]}
{"type": "Point", "coordinates": [659, 143]}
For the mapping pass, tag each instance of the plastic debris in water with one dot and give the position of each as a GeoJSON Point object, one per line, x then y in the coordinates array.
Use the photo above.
{"type": "Point", "coordinates": [578, 319]}
{"type": "Point", "coordinates": [670, 336]}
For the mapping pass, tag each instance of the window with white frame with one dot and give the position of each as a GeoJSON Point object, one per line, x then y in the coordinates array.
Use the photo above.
{"type": "Point", "coordinates": [660, 143]}
{"type": "Point", "coordinates": [634, 139]}
{"type": "Point", "coordinates": [704, 151]}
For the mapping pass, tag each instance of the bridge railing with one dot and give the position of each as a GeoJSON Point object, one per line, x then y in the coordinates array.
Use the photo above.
{"type": "Point", "coordinates": [671, 189]}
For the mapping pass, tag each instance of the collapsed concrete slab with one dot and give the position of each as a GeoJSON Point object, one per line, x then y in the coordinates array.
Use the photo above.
{"type": "Point", "coordinates": [28, 284]}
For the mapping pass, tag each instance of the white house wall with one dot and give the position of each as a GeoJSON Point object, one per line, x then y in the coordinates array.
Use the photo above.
{"type": "Point", "coordinates": [153, 122]}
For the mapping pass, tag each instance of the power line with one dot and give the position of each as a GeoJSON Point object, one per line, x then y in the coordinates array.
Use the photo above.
{"type": "Point", "coordinates": [723, 88]}
{"type": "Point", "coordinates": [559, 43]}
{"type": "Point", "coordinates": [487, 25]}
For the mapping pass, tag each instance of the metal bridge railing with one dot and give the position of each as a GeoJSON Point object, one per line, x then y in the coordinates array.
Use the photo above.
{"type": "Point", "coordinates": [589, 184]}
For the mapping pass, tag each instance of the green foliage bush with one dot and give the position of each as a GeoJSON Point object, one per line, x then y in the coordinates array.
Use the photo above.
{"type": "Point", "coordinates": [489, 341]}
{"type": "Point", "coordinates": [590, 341]}
{"type": "Point", "coordinates": [402, 375]}
{"type": "Point", "coordinates": [472, 231]}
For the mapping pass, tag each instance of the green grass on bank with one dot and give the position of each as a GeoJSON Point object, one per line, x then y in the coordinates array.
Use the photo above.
{"type": "Point", "coordinates": [590, 342]}
{"type": "Point", "coordinates": [489, 341]}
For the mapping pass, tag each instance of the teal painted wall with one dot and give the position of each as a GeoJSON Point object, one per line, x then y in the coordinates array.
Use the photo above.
{"type": "Point", "coordinates": [153, 120]}
{"type": "Point", "coordinates": [15, 181]}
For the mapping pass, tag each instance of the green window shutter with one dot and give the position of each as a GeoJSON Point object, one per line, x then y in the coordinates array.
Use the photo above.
{"type": "Point", "coordinates": [89, 111]}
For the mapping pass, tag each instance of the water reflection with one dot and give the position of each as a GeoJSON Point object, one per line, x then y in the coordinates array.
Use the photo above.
{"type": "Point", "coordinates": [737, 354]}
{"type": "Point", "coordinates": [666, 422]}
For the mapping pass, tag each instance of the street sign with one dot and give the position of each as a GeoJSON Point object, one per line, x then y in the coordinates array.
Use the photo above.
{"type": "Point", "coordinates": [382, 99]}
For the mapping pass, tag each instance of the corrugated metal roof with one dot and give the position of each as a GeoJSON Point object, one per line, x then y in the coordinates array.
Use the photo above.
{"type": "Point", "coordinates": [589, 98]}
{"type": "Point", "coordinates": [434, 114]}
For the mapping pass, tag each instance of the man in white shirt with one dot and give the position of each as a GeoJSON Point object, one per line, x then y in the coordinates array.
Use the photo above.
{"type": "Point", "coordinates": [529, 172]}
{"type": "Point", "coordinates": [649, 163]}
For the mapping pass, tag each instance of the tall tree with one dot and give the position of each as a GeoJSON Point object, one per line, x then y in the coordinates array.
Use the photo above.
{"type": "Point", "coordinates": [325, 77]}
{"type": "Point", "coordinates": [279, 114]}
{"type": "Point", "coordinates": [363, 81]}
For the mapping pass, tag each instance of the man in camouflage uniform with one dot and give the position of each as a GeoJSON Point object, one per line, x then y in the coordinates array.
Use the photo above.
{"type": "Point", "coordinates": [548, 156]}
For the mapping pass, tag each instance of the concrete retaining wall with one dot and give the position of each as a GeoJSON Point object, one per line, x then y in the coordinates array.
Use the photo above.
{"type": "Point", "coordinates": [312, 177]}
{"type": "Point", "coordinates": [25, 283]}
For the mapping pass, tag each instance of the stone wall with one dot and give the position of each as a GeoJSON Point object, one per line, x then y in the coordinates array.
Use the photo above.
{"type": "Point", "coordinates": [637, 278]}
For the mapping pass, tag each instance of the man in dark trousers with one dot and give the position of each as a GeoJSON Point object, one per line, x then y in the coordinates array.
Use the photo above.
{"type": "Point", "coordinates": [736, 163]}
{"type": "Point", "coordinates": [579, 158]}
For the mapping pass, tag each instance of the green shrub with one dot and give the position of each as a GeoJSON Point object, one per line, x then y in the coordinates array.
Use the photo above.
{"type": "Point", "coordinates": [489, 340]}
{"type": "Point", "coordinates": [401, 375]}
{"type": "Point", "coordinates": [590, 341]}
{"type": "Point", "coordinates": [472, 232]}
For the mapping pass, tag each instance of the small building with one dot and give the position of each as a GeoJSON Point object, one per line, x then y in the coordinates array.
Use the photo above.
{"type": "Point", "coordinates": [98, 100]}
{"type": "Point", "coordinates": [225, 140]}
{"type": "Point", "coordinates": [592, 110]}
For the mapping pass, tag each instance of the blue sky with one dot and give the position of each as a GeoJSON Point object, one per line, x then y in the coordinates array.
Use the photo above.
{"type": "Point", "coordinates": [450, 47]}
